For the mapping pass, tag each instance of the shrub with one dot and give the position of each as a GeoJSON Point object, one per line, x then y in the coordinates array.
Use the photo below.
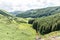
{"type": "Point", "coordinates": [31, 21]}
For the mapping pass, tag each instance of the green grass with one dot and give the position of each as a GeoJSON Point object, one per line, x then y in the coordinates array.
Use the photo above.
{"type": "Point", "coordinates": [12, 30]}
{"type": "Point", "coordinates": [16, 32]}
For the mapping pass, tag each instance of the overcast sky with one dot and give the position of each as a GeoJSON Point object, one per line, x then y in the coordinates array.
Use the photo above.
{"type": "Point", "coordinates": [22, 5]}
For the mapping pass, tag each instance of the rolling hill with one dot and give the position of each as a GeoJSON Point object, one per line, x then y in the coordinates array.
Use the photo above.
{"type": "Point", "coordinates": [10, 29]}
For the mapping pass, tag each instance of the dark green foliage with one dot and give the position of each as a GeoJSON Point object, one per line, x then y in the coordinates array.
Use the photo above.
{"type": "Point", "coordinates": [34, 13]}
{"type": "Point", "coordinates": [31, 21]}
{"type": "Point", "coordinates": [48, 24]}
{"type": "Point", "coordinates": [35, 26]}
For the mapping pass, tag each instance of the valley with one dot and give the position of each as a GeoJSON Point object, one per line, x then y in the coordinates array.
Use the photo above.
{"type": "Point", "coordinates": [26, 25]}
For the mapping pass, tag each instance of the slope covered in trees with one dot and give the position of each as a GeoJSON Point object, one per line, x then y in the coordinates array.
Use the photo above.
{"type": "Point", "coordinates": [34, 13]}
{"type": "Point", "coordinates": [47, 24]}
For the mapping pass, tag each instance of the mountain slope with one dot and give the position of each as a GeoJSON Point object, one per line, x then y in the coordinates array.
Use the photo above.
{"type": "Point", "coordinates": [34, 13]}
{"type": "Point", "coordinates": [5, 13]}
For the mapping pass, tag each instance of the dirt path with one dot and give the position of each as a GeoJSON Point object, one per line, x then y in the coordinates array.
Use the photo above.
{"type": "Point", "coordinates": [55, 38]}
{"type": "Point", "coordinates": [50, 38]}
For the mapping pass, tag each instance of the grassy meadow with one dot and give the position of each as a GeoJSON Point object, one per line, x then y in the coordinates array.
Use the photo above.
{"type": "Point", "coordinates": [15, 31]}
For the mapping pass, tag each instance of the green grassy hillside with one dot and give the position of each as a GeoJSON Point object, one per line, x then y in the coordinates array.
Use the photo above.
{"type": "Point", "coordinates": [16, 32]}
{"type": "Point", "coordinates": [13, 28]}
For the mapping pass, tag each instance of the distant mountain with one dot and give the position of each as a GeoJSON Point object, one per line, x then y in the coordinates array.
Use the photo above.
{"type": "Point", "coordinates": [34, 13]}
{"type": "Point", "coordinates": [16, 12]}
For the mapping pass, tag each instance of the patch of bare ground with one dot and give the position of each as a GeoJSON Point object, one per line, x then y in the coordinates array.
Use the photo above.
{"type": "Point", "coordinates": [53, 38]}
{"type": "Point", "coordinates": [49, 38]}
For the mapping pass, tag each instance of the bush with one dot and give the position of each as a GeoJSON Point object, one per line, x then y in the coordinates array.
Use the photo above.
{"type": "Point", "coordinates": [31, 21]}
